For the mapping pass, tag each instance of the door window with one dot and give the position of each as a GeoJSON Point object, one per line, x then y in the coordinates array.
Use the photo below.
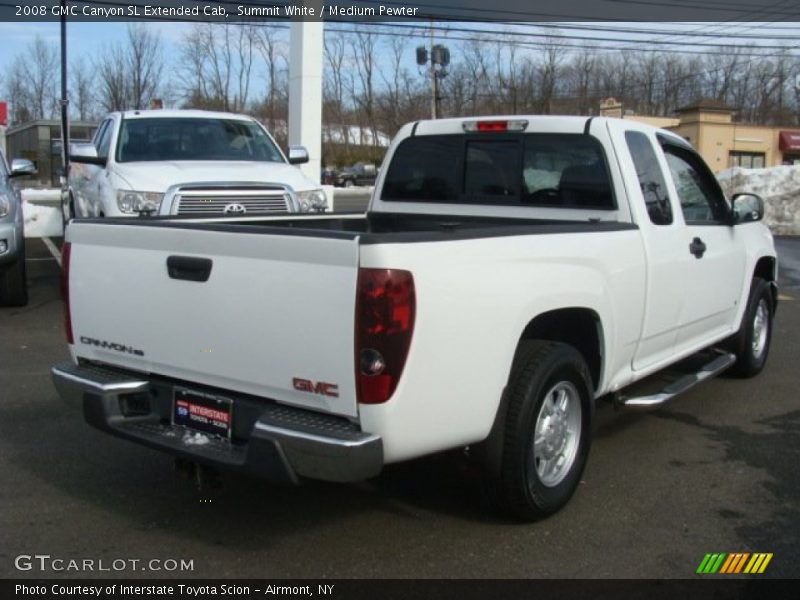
{"type": "Point", "coordinates": [698, 191]}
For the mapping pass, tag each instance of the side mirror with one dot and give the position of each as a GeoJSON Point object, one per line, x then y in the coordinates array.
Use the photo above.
{"type": "Point", "coordinates": [747, 208]}
{"type": "Point", "coordinates": [86, 154]}
{"type": "Point", "coordinates": [298, 155]}
{"type": "Point", "coordinates": [21, 167]}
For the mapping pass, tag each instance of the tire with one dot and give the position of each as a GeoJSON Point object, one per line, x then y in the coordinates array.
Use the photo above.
{"type": "Point", "coordinates": [533, 481]}
{"type": "Point", "coordinates": [751, 343]}
{"type": "Point", "coordinates": [13, 283]}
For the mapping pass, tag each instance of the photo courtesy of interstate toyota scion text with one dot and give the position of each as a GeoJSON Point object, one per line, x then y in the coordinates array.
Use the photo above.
{"type": "Point", "coordinates": [509, 274]}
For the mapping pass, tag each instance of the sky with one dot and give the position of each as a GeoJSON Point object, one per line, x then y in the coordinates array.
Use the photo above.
{"type": "Point", "coordinates": [89, 39]}
{"type": "Point", "coordinates": [82, 38]}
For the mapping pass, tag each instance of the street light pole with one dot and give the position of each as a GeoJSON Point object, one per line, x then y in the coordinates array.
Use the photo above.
{"type": "Point", "coordinates": [64, 99]}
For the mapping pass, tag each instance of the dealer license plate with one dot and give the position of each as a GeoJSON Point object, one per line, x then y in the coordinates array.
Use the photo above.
{"type": "Point", "coordinates": [202, 412]}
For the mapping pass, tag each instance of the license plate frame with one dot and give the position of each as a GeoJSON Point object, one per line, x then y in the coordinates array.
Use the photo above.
{"type": "Point", "coordinates": [202, 412]}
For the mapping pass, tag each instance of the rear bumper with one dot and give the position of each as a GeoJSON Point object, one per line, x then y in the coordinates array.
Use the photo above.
{"type": "Point", "coordinates": [276, 442]}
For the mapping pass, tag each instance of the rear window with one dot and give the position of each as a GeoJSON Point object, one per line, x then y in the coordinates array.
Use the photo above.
{"type": "Point", "coordinates": [548, 170]}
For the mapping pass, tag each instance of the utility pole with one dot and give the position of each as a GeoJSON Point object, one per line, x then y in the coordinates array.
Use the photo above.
{"type": "Point", "coordinates": [434, 84]}
{"type": "Point", "coordinates": [439, 56]}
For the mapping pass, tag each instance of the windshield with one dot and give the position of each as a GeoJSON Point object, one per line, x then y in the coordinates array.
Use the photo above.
{"type": "Point", "coordinates": [194, 139]}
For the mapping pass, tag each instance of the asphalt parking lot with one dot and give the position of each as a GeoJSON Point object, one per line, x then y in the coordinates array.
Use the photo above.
{"type": "Point", "coordinates": [715, 471]}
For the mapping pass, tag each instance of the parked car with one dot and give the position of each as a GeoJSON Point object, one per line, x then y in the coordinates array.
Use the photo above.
{"type": "Point", "coordinates": [328, 176]}
{"type": "Point", "coordinates": [510, 272]}
{"type": "Point", "coordinates": [13, 284]}
{"type": "Point", "coordinates": [186, 162]}
{"type": "Point", "coordinates": [358, 174]}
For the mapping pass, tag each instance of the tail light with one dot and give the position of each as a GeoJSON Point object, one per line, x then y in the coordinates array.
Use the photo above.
{"type": "Point", "coordinates": [385, 310]}
{"type": "Point", "coordinates": [65, 254]}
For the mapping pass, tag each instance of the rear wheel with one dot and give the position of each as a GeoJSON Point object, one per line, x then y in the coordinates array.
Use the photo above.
{"type": "Point", "coordinates": [751, 343]}
{"type": "Point", "coordinates": [547, 435]}
{"type": "Point", "coordinates": [13, 283]}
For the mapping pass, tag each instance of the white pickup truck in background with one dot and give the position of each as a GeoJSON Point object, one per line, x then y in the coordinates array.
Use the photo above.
{"type": "Point", "coordinates": [186, 162]}
{"type": "Point", "coordinates": [510, 271]}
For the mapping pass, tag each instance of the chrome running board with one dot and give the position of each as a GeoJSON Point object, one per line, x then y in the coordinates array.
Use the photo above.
{"type": "Point", "coordinates": [677, 387]}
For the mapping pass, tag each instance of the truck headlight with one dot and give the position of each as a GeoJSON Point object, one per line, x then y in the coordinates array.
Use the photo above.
{"type": "Point", "coordinates": [131, 202]}
{"type": "Point", "coordinates": [5, 205]}
{"type": "Point", "coordinates": [312, 200]}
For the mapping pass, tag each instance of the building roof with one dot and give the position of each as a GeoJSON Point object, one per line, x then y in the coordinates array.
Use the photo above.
{"type": "Point", "coordinates": [48, 123]}
{"type": "Point", "coordinates": [708, 104]}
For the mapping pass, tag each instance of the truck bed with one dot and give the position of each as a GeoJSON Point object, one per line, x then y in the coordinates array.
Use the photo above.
{"type": "Point", "coordinates": [379, 228]}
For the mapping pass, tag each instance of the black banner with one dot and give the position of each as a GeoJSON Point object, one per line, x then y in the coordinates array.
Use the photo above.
{"type": "Point", "coordinates": [398, 10]}
{"type": "Point", "coordinates": [441, 589]}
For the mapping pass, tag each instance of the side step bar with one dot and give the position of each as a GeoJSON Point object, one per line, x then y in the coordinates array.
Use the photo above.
{"type": "Point", "coordinates": [685, 383]}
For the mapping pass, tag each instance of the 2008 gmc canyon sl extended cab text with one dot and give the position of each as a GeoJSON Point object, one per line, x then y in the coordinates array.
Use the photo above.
{"type": "Point", "coordinates": [509, 272]}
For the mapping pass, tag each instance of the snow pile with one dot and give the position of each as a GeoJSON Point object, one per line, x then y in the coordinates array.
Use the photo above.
{"type": "Point", "coordinates": [778, 186]}
{"type": "Point", "coordinates": [41, 195]}
{"type": "Point", "coordinates": [42, 212]}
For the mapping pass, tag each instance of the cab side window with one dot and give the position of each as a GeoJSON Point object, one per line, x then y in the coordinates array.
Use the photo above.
{"type": "Point", "coordinates": [699, 193]}
{"type": "Point", "coordinates": [651, 179]}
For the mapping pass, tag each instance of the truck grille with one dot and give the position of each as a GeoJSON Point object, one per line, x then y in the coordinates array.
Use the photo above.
{"type": "Point", "coordinates": [232, 201]}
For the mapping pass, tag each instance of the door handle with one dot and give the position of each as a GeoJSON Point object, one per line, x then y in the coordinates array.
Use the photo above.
{"type": "Point", "coordinates": [189, 268]}
{"type": "Point", "coordinates": [697, 247]}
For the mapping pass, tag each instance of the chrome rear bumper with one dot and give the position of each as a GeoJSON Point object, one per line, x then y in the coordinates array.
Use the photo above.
{"type": "Point", "coordinates": [270, 440]}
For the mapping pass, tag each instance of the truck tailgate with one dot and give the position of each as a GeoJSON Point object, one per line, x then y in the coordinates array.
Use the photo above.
{"type": "Point", "coordinates": [260, 324]}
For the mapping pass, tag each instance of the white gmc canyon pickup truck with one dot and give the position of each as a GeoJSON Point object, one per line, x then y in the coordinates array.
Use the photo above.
{"type": "Point", "coordinates": [510, 271]}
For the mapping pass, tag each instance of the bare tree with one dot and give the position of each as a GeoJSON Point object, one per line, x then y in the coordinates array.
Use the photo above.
{"type": "Point", "coordinates": [552, 58]}
{"type": "Point", "coordinates": [113, 80]}
{"type": "Point", "coordinates": [270, 47]}
{"type": "Point", "coordinates": [363, 54]}
{"type": "Point", "coordinates": [398, 88]}
{"type": "Point", "coordinates": [83, 100]}
{"type": "Point", "coordinates": [476, 63]}
{"type": "Point", "coordinates": [17, 91]}
{"type": "Point", "coordinates": [219, 60]}
{"type": "Point", "coordinates": [648, 70]}
{"type": "Point", "coordinates": [334, 93]}
{"type": "Point", "coordinates": [581, 74]}
{"type": "Point", "coordinates": [507, 71]}
{"type": "Point", "coordinates": [130, 73]}
{"type": "Point", "coordinates": [145, 64]}
{"type": "Point", "coordinates": [31, 83]}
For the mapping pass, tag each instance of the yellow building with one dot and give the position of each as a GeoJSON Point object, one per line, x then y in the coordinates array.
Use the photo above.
{"type": "Point", "coordinates": [708, 125]}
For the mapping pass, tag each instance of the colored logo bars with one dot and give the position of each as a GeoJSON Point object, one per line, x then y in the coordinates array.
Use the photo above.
{"type": "Point", "coordinates": [734, 563]}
